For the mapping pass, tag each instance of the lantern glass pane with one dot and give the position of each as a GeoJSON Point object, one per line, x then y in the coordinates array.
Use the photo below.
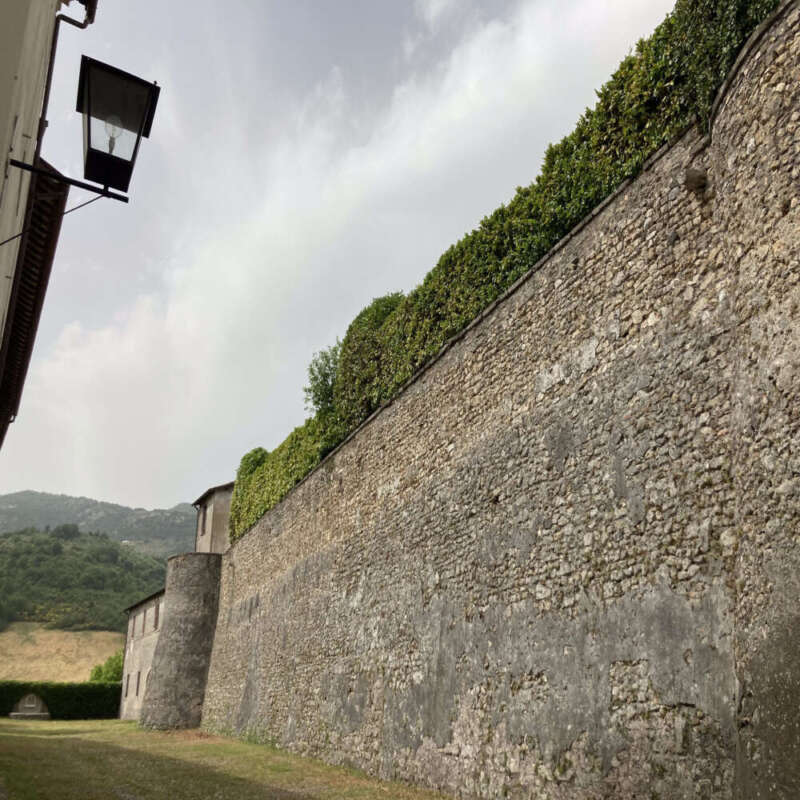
{"type": "Point", "coordinates": [118, 111]}
{"type": "Point", "coordinates": [113, 139]}
{"type": "Point", "coordinates": [113, 97]}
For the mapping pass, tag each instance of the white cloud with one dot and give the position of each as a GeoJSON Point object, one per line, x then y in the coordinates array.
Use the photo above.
{"type": "Point", "coordinates": [282, 242]}
{"type": "Point", "coordinates": [434, 12]}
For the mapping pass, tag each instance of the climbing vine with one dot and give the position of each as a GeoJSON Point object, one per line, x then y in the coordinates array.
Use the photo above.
{"type": "Point", "coordinates": [667, 84]}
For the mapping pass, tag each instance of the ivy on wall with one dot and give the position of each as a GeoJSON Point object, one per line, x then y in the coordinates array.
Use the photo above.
{"type": "Point", "coordinates": [669, 83]}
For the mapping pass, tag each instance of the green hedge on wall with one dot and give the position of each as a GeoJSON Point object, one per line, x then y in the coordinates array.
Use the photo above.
{"type": "Point", "coordinates": [356, 392]}
{"type": "Point", "coordinates": [668, 83]}
{"type": "Point", "coordinates": [65, 700]}
{"type": "Point", "coordinates": [263, 478]}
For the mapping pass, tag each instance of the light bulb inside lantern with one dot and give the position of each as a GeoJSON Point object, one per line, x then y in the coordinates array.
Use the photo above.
{"type": "Point", "coordinates": [113, 128]}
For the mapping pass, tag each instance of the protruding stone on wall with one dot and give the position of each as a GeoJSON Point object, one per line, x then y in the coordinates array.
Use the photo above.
{"type": "Point", "coordinates": [176, 688]}
{"type": "Point", "coordinates": [696, 180]}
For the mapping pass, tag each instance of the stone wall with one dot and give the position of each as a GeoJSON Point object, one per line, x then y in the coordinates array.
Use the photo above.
{"type": "Point", "coordinates": [173, 696]}
{"type": "Point", "coordinates": [563, 562]}
{"type": "Point", "coordinates": [757, 171]}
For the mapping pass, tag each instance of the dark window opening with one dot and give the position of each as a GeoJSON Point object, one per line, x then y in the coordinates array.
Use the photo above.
{"type": "Point", "coordinates": [138, 680]}
{"type": "Point", "coordinates": [127, 683]}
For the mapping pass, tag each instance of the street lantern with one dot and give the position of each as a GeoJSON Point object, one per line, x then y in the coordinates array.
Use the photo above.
{"type": "Point", "coordinates": [118, 111]}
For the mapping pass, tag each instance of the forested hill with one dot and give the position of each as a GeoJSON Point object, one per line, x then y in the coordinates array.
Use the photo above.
{"type": "Point", "coordinates": [72, 580]}
{"type": "Point", "coordinates": [160, 532]}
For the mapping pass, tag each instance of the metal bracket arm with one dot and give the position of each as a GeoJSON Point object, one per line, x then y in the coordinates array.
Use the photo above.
{"type": "Point", "coordinates": [62, 179]}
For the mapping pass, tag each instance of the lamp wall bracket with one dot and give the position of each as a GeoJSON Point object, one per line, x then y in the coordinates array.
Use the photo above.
{"type": "Point", "coordinates": [104, 192]}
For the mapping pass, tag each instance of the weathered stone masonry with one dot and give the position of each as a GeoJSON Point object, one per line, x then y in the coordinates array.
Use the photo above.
{"type": "Point", "coordinates": [564, 562]}
{"type": "Point", "coordinates": [756, 166]}
{"type": "Point", "coordinates": [174, 695]}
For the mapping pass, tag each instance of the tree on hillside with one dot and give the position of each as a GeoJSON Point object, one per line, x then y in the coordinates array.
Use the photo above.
{"type": "Point", "coordinates": [72, 580]}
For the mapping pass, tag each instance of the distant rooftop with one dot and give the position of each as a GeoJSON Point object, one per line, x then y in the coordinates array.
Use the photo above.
{"type": "Point", "coordinates": [213, 489]}
{"type": "Point", "coordinates": [144, 600]}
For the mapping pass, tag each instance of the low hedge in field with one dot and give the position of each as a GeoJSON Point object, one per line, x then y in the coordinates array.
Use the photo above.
{"type": "Point", "coordinates": [65, 700]}
{"type": "Point", "coordinates": [666, 85]}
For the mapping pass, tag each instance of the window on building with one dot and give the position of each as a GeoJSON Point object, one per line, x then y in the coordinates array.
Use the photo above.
{"type": "Point", "coordinates": [138, 681]}
{"type": "Point", "coordinates": [201, 521]}
{"type": "Point", "coordinates": [144, 620]}
{"type": "Point", "coordinates": [156, 613]}
{"type": "Point", "coordinates": [127, 683]}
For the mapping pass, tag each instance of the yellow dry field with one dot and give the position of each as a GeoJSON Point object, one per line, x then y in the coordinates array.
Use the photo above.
{"type": "Point", "coordinates": [31, 652]}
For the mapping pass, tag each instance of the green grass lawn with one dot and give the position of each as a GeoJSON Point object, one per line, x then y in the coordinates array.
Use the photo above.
{"type": "Point", "coordinates": [113, 760]}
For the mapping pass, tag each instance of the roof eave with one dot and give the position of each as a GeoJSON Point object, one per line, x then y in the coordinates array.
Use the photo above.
{"type": "Point", "coordinates": [213, 489]}
{"type": "Point", "coordinates": [47, 200]}
{"type": "Point", "coordinates": [144, 600]}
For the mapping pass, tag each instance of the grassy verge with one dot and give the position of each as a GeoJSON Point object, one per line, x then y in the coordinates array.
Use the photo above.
{"type": "Point", "coordinates": [113, 760]}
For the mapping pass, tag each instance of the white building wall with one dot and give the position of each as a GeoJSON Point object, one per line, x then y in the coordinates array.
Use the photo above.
{"type": "Point", "coordinates": [144, 625]}
{"type": "Point", "coordinates": [212, 522]}
{"type": "Point", "coordinates": [26, 30]}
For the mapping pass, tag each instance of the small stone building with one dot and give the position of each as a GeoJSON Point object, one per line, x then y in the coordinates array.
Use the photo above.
{"type": "Point", "coordinates": [146, 618]}
{"type": "Point", "coordinates": [213, 510]}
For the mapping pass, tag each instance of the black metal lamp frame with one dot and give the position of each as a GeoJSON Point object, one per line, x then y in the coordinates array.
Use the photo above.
{"type": "Point", "coordinates": [105, 191]}
{"type": "Point", "coordinates": [116, 170]}
{"type": "Point", "coordinates": [106, 92]}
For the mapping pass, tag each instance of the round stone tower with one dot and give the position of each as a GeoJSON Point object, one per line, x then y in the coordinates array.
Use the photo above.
{"type": "Point", "coordinates": [176, 687]}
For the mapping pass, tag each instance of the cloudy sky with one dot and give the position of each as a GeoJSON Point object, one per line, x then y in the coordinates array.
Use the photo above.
{"type": "Point", "coordinates": [306, 157]}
